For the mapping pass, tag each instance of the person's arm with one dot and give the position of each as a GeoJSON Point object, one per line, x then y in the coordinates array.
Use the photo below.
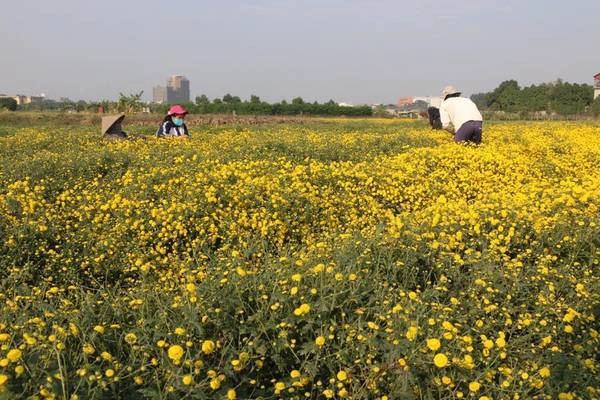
{"type": "Point", "coordinates": [445, 119]}
{"type": "Point", "coordinates": [164, 129]}
{"type": "Point", "coordinates": [182, 132]}
{"type": "Point", "coordinates": [159, 131]}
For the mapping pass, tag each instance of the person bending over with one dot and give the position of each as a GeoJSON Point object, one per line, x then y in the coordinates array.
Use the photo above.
{"type": "Point", "coordinates": [111, 127]}
{"type": "Point", "coordinates": [459, 115]}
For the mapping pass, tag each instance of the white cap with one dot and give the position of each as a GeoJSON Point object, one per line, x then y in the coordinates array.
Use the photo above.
{"type": "Point", "coordinates": [448, 90]}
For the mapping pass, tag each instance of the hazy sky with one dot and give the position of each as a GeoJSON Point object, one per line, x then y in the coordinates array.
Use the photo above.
{"type": "Point", "coordinates": [349, 50]}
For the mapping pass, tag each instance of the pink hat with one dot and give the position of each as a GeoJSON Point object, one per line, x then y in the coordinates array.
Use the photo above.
{"type": "Point", "coordinates": [177, 110]}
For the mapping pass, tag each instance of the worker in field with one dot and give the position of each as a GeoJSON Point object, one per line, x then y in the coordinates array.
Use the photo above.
{"type": "Point", "coordinates": [111, 127]}
{"type": "Point", "coordinates": [173, 124]}
{"type": "Point", "coordinates": [459, 115]}
{"type": "Point", "coordinates": [433, 114]}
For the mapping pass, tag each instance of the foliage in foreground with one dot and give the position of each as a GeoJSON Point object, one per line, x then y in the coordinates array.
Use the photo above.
{"type": "Point", "coordinates": [335, 261]}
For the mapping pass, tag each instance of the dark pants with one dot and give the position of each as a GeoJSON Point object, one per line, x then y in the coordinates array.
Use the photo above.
{"type": "Point", "coordinates": [470, 131]}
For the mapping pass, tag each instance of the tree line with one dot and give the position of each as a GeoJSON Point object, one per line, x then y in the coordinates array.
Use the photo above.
{"type": "Point", "coordinates": [559, 97]}
{"type": "Point", "coordinates": [228, 104]}
{"type": "Point", "coordinates": [255, 106]}
{"type": "Point", "coordinates": [554, 98]}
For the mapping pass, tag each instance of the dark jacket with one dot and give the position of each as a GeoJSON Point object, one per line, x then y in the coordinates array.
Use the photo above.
{"type": "Point", "coordinates": [116, 135]}
{"type": "Point", "coordinates": [168, 128]}
{"type": "Point", "coordinates": [434, 118]}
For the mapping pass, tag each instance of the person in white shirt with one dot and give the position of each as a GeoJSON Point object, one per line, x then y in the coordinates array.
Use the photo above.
{"type": "Point", "coordinates": [460, 116]}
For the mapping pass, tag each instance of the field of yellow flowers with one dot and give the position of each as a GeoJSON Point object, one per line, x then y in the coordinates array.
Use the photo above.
{"type": "Point", "coordinates": [333, 259]}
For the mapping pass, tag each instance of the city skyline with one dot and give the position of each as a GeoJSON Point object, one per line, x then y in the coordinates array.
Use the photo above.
{"type": "Point", "coordinates": [177, 90]}
{"type": "Point", "coordinates": [165, 91]}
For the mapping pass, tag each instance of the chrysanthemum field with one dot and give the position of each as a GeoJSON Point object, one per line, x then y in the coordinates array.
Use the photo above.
{"type": "Point", "coordinates": [331, 259]}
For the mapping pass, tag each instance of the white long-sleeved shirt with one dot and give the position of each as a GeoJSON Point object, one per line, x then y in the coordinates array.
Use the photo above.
{"type": "Point", "coordinates": [455, 111]}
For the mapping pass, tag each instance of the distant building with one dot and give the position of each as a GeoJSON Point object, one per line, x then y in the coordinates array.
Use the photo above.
{"type": "Point", "coordinates": [22, 99]}
{"type": "Point", "coordinates": [596, 86]}
{"type": "Point", "coordinates": [36, 99]}
{"type": "Point", "coordinates": [180, 86]}
{"type": "Point", "coordinates": [405, 101]}
{"type": "Point", "coordinates": [432, 101]}
{"type": "Point", "coordinates": [345, 104]}
{"type": "Point", "coordinates": [176, 91]}
{"type": "Point", "coordinates": [435, 102]}
{"type": "Point", "coordinates": [392, 111]}
{"type": "Point", "coordinates": [159, 95]}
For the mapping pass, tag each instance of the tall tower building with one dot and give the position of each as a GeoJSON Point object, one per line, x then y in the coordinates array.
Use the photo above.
{"type": "Point", "coordinates": [159, 95]}
{"type": "Point", "coordinates": [180, 89]}
{"type": "Point", "coordinates": [176, 91]}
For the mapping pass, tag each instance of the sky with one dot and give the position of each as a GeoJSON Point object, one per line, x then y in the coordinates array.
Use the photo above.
{"type": "Point", "coordinates": [356, 51]}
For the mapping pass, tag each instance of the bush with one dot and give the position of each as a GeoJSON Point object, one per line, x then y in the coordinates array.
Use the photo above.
{"type": "Point", "coordinates": [595, 107]}
{"type": "Point", "coordinates": [8, 103]}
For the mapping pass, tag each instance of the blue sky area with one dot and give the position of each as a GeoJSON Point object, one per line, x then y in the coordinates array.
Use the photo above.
{"type": "Point", "coordinates": [354, 51]}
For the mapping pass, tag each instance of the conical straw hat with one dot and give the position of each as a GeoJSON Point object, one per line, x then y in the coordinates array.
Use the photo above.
{"type": "Point", "coordinates": [110, 120]}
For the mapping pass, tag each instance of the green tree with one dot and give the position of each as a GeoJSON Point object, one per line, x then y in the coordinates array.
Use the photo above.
{"type": "Point", "coordinates": [595, 107]}
{"type": "Point", "coordinates": [380, 111]}
{"type": "Point", "coordinates": [108, 105]}
{"type": "Point", "coordinates": [202, 100]}
{"type": "Point", "coordinates": [419, 105]}
{"type": "Point", "coordinates": [81, 105]}
{"type": "Point", "coordinates": [131, 103]}
{"type": "Point", "coordinates": [535, 98]}
{"type": "Point", "coordinates": [480, 100]}
{"type": "Point", "coordinates": [229, 99]}
{"type": "Point", "coordinates": [570, 98]}
{"type": "Point", "coordinates": [506, 97]}
{"type": "Point", "coordinates": [8, 103]}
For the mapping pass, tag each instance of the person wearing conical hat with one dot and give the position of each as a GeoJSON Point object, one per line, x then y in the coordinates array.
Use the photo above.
{"type": "Point", "coordinates": [173, 124]}
{"type": "Point", "coordinates": [459, 115]}
{"type": "Point", "coordinates": [111, 127]}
